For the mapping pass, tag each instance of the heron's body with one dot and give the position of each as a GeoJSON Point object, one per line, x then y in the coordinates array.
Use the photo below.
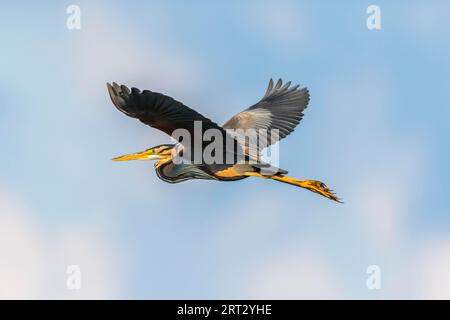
{"type": "Point", "coordinates": [279, 111]}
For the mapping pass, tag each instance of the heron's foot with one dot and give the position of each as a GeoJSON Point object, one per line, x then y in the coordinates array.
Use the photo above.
{"type": "Point", "coordinates": [321, 188]}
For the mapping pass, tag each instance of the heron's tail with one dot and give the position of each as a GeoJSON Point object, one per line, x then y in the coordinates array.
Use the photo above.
{"type": "Point", "coordinates": [312, 185]}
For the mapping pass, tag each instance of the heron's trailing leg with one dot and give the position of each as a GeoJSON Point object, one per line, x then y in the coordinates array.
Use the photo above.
{"type": "Point", "coordinates": [312, 185]}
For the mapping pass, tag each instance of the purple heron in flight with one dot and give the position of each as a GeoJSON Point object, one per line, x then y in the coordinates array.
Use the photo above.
{"type": "Point", "coordinates": [279, 111]}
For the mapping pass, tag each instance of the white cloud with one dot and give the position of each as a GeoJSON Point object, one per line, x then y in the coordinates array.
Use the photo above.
{"type": "Point", "coordinates": [383, 195]}
{"type": "Point", "coordinates": [432, 270]}
{"type": "Point", "coordinates": [294, 275]}
{"type": "Point", "coordinates": [378, 203]}
{"type": "Point", "coordinates": [34, 260]}
{"type": "Point", "coordinates": [97, 262]}
{"type": "Point", "coordinates": [22, 254]}
{"type": "Point", "coordinates": [110, 50]}
{"type": "Point", "coordinates": [384, 172]}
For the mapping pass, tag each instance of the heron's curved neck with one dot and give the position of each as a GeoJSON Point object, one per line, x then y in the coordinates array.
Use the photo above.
{"type": "Point", "coordinates": [162, 161]}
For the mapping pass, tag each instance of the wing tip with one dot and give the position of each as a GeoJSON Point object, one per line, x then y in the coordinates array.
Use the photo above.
{"type": "Point", "coordinates": [118, 93]}
{"type": "Point", "coordinates": [278, 88]}
{"type": "Point", "coordinates": [114, 88]}
{"type": "Point", "coordinates": [112, 92]}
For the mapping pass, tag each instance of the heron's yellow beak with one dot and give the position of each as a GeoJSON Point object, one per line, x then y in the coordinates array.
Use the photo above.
{"type": "Point", "coordinates": [144, 155]}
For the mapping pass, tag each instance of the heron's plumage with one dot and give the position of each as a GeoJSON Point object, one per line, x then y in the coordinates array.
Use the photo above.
{"type": "Point", "coordinates": [167, 114]}
{"type": "Point", "coordinates": [281, 109]}
{"type": "Point", "coordinates": [157, 110]}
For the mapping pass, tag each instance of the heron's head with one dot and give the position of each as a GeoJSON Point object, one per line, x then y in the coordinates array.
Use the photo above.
{"type": "Point", "coordinates": [156, 153]}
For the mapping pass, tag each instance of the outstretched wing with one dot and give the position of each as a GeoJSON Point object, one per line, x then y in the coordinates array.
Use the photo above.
{"type": "Point", "coordinates": [167, 114]}
{"type": "Point", "coordinates": [281, 109]}
{"type": "Point", "coordinates": [157, 110]}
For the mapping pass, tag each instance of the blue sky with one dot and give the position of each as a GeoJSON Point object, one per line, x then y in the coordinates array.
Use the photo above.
{"type": "Point", "coordinates": [375, 131]}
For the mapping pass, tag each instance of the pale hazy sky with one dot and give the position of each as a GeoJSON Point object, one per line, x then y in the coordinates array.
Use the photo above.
{"type": "Point", "coordinates": [376, 130]}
